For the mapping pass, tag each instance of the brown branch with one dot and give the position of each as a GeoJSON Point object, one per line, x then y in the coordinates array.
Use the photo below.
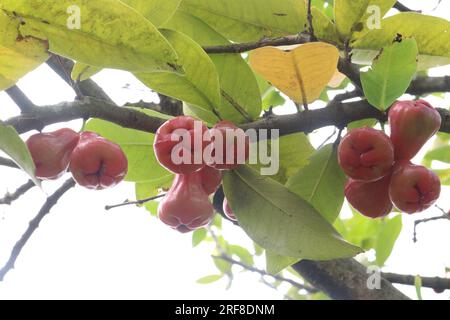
{"type": "Point", "coordinates": [85, 109]}
{"type": "Point", "coordinates": [8, 163]}
{"type": "Point", "coordinates": [10, 197]}
{"type": "Point", "coordinates": [34, 225]}
{"type": "Point", "coordinates": [63, 67]}
{"type": "Point", "coordinates": [265, 42]}
{"type": "Point", "coordinates": [345, 279]}
{"type": "Point", "coordinates": [310, 22]}
{"type": "Point", "coordinates": [402, 8]}
{"type": "Point", "coordinates": [20, 99]}
{"type": "Point", "coordinates": [436, 283]}
{"type": "Point", "coordinates": [335, 114]}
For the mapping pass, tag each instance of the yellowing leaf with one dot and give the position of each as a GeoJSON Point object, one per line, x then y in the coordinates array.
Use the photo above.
{"type": "Point", "coordinates": [302, 73]}
{"type": "Point", "coordinates": [18, 55]}
{"type": "Point", "coordinates": [101, 33]}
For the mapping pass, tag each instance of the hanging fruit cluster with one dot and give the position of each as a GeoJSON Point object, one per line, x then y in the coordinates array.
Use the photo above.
{"type": "Point", "coordinates": [186, 206]}
{"type": "Point", "coordinates": [95, 162]}
{"type": "Point", "coordinates": [379, 167]}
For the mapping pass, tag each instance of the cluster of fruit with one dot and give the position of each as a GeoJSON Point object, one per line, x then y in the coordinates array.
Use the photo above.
{"type": "Point", "coordinates": [186, 206]}
{"type": "Point", "coordinates": [379, 167]}
{"type": "Point", "coordinates": [95, 162]}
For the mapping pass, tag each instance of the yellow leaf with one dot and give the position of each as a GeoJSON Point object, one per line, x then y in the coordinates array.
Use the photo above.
{"type": "Point", "coordinates": [302, 73]}
{"type": "Point", "coordinates": [18, 55]}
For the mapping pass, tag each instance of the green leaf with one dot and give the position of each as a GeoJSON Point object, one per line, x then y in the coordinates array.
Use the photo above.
{"type": "Point", "coordinates": [272, 98]}
{"type": "Point", "coordinates": [444, 176]}
{"type": "Point", "coordinates": [250, 20]}
{"type": "Point", "coordinates": [387, 238]}
{"type": "Point", "coordinates": [152, 188]}
{"type": "Point", "coordinates": [199, 85]}
{"type": "Point", "coordinates": [418, 285]}
{"type": "Point", "coordinates": [242, 253]}
{"type": "Point", "coordinates": [440, 154]}
{"type": "Point", "coordinates": [13, 146]}
{"type": "Point", "coordinates": [378, 234]}
{"type": "Point", "coordinates": [241, 100]}
{"type": "Point", "coordinates": [198, 236]}
{"type": "Point", "coordinates": [281, 221]}
{"type": "Point", "coordinates": [324, 28]}
{"type": "Point", "coordinates": [210, 279]}
{"type": "Point", "coordinates": [294, 152]}
{"type": "Point", "coordinates": [354, 15]}
{"type": "Point", "coordinates": [431, 34]}
{"type": "Point", "coordinates": [157, 11]}
{"type": "Point", "coordinates": [391, 73]}
{"type": "Point", "coordinates": [82, 71]}
{"type": "Point", "coordinates": [111, 33]}
{"type": "Point", "coordinates": [18, 55]}
{"type": "Point", "coordinates": [276, 263]}
{"type": "Point", "coordinates": [321, 183]}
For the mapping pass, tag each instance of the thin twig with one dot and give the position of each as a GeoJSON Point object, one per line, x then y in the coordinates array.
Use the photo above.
{"type": "Point", "coordinates": [427, 282]}
{"type": "Point", "coordinates": [138, 202]}
{"type": "Point", "coordinates": [310, 22]}
{"type": "Point", "coordinates": [264, 273]}
{"type": "Point", "coordinates": [445, 216]}
{"type": "Point", "coordinates": [402, 8]}
{"type": "Point", "coordinates": [8, 163]}
{"type": "Point", "coordinates": [20, 99]}
{"type": "Point", "coordinates": [34, 224]}
{"type": "Point", "coordinates": [10, 197]}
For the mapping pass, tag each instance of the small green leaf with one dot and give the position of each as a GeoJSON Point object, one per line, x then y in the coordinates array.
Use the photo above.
{"type": "Point", "coordinates": [440, 154]}
{"type": "Point", "coordinates": [321, 183]}
{"type": "Point", "coordinates": [210, 279]}
{"type": "Point", "coordinates": [444, 176]}
{"type": "Point", "coordinates": [198, 236]}
{"type": "Point", "coordinates": [418, 285]}
{"type": "Point", "coordinates": [391, 73]}
{"type": "Point", "coordinates": [243, 254]}
{"type": "Point", "coordinates": [281, 221]}
{"type": "Point", "coordinates": [13, 146]}
{"type": "Point", "coordinates": [387, 238]}
{"type": "Point", "coordinates": [81, 71]}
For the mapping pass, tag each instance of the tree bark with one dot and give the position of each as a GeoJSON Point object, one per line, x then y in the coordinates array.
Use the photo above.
{"type": "Point", "coordinates": [345, 279]}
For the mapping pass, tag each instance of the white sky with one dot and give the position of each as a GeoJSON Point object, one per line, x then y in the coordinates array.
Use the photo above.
{"type": "Point", "coordinates": [81, 251]}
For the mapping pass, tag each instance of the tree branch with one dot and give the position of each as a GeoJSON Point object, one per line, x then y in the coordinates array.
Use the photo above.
{"type": "Point", "coordinates": [345, 279]}
{"type": "Point", "coordinates": [402, 8]}
{"type": "Point", "coordinates": [20, 99]}
{"type": "Point", "coordinates": [8, 163]}
{"type": "Point", "coordinates": [63, 67]}
{"type": "Point", "coordinates": [85, 109]}
{"type": "Point", "coordinates": [34, 224]}
{"type": "Point", "coordinates": [10, 197]}
{"type": "Point", "coordinates": [436, 283]}
{"type": "Point", "coordinates": [335, 114]}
